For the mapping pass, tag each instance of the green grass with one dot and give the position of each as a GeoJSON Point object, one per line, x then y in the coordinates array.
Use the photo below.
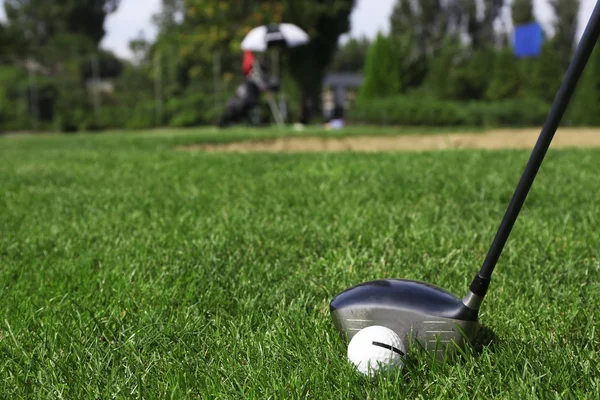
{"type": "Point", "coordinates": [128, 270]}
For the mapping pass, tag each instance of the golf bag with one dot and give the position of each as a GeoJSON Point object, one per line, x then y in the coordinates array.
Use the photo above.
{"type": "Point", "coordinates": [238, 108]}
{"type": "Point", "coordinates": [247, 95]}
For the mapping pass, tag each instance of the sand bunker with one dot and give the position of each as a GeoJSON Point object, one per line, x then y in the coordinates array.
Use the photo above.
{"type": "Point", "coordinates": [495, 139]}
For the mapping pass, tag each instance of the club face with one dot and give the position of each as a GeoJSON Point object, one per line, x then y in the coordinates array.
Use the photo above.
{"type": "Point", "coordinates": [414, 310]}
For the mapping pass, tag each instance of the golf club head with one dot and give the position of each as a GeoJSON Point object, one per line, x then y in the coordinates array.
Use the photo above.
{"type": "Point", "coordinates": [414, 310]}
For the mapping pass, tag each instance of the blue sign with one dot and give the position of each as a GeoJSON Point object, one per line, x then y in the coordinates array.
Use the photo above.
{"type": "Point", "coordinates": [528, 40]}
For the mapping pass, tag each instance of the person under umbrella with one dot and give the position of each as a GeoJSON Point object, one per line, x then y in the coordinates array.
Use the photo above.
{"type": "Point", "coordinates": [260, 39]}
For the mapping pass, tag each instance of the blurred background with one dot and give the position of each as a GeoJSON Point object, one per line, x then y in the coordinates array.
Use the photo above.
{"type": "Point", "coordinates": [86, 65]}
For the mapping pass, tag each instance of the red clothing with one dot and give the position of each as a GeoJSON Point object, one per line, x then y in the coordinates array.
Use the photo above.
{"type": "Point", "coordinates": [247, 63]}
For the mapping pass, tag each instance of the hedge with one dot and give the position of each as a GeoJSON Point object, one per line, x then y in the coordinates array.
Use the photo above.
{"type": "Point", "coordinates": [428, 111]}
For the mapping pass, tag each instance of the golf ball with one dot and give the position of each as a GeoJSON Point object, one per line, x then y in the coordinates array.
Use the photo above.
{"type": "Point", "coordinates": [376, 348]}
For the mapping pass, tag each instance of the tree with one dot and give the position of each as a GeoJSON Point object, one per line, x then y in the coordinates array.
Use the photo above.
{"type": "Point", "coordinates": [140, 48]}
{"type": "Point", "coordinates": [476, 74]}
{"type": "Point", "coordinates": [38, 22]}
{"type": "Point", "coordinates": [403, 16]}
{"type": "Point", "coordinates": [325, 21]}
{"type": "Point", "coordinates": [12, 100]}
{"type": "Point", "coordinates": [481, 29]}
{"type": "Point", "coordinates": [522, 12]}
{"type": "Point", "coordinates": [506, 78]}
{"type": "Point", "coordinates": [208, 26]}
{"type": "Point", "coordinates": [566, 12]}
{"type": "Point", "coordinates": [381, 76]}
{"type": "Point", "coordinates": [195, 33]}
{"type": "Point", "coordinates": [212, 29]}
{"type": "Point", "coordinates": [461, 72]}
{"type": "Point", "coordinates": [107, 66]}
{"type": "Point", "coordinates": [424, 26]}
{"type": "Point", "coordinates": [546, 75]}
{"type": "Point", "coordinates": [452, 75]}
{"type": "Point", "coordinates": [86, 17]}
{"type": "Point", "coordinates": [58, 38]}
{"type": "Point", "coordinates": [170, 16]}
{"type": "Point", "coordinates": [426, 20]}
{"type": "Point", "coordinates": [585, 107]}
{"type": "Point", "coordinates": [351, 56]}
{"type": "Point", "coordinates": [4, 42]}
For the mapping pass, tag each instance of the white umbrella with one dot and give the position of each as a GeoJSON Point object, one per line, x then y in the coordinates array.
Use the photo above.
{"type": "Point", "coordinates": [264, 37]}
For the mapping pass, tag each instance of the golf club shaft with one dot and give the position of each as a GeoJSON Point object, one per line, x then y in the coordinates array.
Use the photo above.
{"type": "Point", "coordinates": [561, 101]}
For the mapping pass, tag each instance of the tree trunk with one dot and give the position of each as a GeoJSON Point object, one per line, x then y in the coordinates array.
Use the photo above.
{"type": "Point", "coordinates": [306, 108]}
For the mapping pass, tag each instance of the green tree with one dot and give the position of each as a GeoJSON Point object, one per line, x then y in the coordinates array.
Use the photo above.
{"type": "Point", "coordinates": [585, 107]}
{"type": "Point", "coordinates": [461, 72]}
{"type": "Point", "coordinates": [522, 12]}
{"type": "Point", "coordinates": [403, 17]}
{"type": "Point", "coordinates": [59, 38]}
{"type": "Point", "coordinates": [63, 47]}
{"type": "Point", "coordinates": [566, 12]}
{"type": "Point", "coordinates": [546, 75]}
{"type": "Point", "coordinates": [4, 42]}
{"type": "Point", "coordinates": [194, 34]}
{"type": "Point", "coordinates": [475, 77]}
{"type": "Point", "coordinates": [215, 28]}
{"type": "Point", "coordinates": [480, 25]}
{"type": "Point", "coordinates": [208, 27]}
{"type": "Point", "coordinates": [381, 71]}
{"type": "Point", "coordinates": [170, 16]}
{"type": "Point", "coordinates": [325, 21]}
{"type": "Point", "coordinates": [140, 48]}
{"type": "Point", "coordinates": [38, 21]}
{"type": "Point", "coordinates": [506, 76]}
{"type": "Point", "coordinates": [11, 41]}
{"type": "Point", "coordinates": [104, 65]}
{"type": "Point", "coordinates": [426, 20]}
{"type": "Point", "coordinates": [424, 25]}
{"type": "Point", "coordinates": [445, 71]}
{"type": "Point", "coordinates": [351, 56]}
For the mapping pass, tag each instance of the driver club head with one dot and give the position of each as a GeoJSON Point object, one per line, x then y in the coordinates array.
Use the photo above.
{"type": "Point", "coordinates": [414, 310]}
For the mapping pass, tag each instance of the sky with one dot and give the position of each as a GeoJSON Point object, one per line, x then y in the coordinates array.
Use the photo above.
{"type": "Point", "coordinates": [368, 18]}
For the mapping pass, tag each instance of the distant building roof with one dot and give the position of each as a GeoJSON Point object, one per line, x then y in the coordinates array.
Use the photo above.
{"type": "Point", "coordinates": [347, 79]}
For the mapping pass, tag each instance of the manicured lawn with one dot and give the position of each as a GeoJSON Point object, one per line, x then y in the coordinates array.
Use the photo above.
{"type": "Point", "coordinates": [129, 270]}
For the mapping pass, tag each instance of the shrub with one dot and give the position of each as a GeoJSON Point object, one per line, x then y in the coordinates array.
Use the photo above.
{"type": "Point", "coordinates": [429, 111]}
{"type": "Point", "coordinates": [192, 109]}
{"type": "Point", "coordinates": [15, 101]}
{"type": "Point", "coordinates": [506, 80]}
{"type": "Point", "coordinates": [407, 110]}
{"type": "Point", "coordinates": [381, 70]}
{"type": "Point", "coordinates": [446, 70]}
{"type": "Point", "coordinates": [545, 76]}
{"type": "Point", "coordinates": [142, 116]}
{"type": "Point", "coordinates": [584, 110]}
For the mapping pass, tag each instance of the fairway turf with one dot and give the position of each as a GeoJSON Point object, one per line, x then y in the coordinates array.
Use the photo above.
{"type": "Point", "coordinates": [129, 270]}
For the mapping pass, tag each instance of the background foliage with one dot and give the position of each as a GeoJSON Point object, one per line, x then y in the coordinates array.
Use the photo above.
{"type": "Point", "coordinates": [442, 55]}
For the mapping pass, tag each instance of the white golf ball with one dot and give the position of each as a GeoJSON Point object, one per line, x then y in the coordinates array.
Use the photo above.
{"type": "Point", "coordinates": [376, 348]}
